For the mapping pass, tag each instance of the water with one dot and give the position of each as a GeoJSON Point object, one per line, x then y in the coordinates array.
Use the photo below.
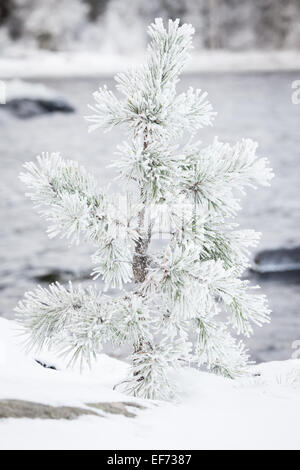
{"type": "Point", "coordinates": [257, 106]}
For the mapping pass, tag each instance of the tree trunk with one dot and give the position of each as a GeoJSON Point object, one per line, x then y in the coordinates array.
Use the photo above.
{"type": "Point", "coordinates": [140, 258]}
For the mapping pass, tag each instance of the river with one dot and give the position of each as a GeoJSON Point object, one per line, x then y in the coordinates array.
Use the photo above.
{"type": "Point", "coordinates": [258, 106]}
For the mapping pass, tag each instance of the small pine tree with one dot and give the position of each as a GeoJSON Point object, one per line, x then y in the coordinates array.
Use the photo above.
{"type": "Point", "coordinates": [169, 312]}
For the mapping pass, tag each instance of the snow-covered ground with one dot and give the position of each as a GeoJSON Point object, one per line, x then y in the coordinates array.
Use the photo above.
{"type": "Point", "coordinates": [19, 89]}
{"type": "Point", "coordinates": [257, 412]}
{"type": "Point", "coordinates": [18, 63]}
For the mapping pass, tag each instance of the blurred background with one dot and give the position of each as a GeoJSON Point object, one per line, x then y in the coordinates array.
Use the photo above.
{"type": "Point", "coordinates": [55, 53]}
{"type": "Point", "coordinates": [119, 26]}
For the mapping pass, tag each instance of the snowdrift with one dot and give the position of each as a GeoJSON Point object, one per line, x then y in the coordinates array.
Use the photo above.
{"type": "Point", "coordinates": [261, 411]}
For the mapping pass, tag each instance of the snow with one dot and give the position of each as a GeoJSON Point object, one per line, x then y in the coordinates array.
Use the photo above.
{"type": "Point", "coordinates": [256, 412]}
{"type": "Point", "coordinates": [22, 378]}
{"type": "Point", "coordinates": [17, 63]}
{"type": "Point", "coordinates": [19, 89]}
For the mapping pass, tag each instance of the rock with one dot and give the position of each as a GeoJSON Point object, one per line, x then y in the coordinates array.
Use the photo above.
{"type": "Point", "coordinates": [27, 108]}
{"type": "Point", "coordinates": [277, 261]}
{"type": "Point", "coordinates": [26, 409]}
{"type": "Point", "coordinates": [26, 100]}
{"type": "Point", "coordinates": [119, 408]}
{"type": "Point", "coordinates": [45, 364]}
{"type": "Point", "coordinates": [50, 276]}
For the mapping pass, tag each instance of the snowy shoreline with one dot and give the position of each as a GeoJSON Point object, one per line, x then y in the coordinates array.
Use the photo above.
{"type": "Point", "coordinates": [258, 412]}
{"type": "Point", "coordinates": [45, 64]}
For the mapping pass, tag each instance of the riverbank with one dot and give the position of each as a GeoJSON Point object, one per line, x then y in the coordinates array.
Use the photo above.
{"type": "Point", "coordinates": [19, 63]}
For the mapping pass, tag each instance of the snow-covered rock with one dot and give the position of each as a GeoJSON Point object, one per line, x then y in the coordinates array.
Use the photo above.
{"type": "Point", "coordinates": [258, 412]}
{"type": "Point", "coordinates": [25, 99]}
{"type": "Point", "coordinates": [278, 260]}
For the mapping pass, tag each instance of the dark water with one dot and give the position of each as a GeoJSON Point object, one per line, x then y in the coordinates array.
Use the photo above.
{"type": "Point", "coordinates": [256, 106]}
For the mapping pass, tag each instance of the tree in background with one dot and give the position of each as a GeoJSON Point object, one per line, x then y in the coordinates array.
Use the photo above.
{"type": "Point", "coordinates": [168, 301]}
{"type": "Point", "coordinates": [116, 26]}
{"type": "Point", "coordinates": [96, 8]}
{"type": "Point", "coordinates": [5, 10]}
{"type": "Point", "coordinates": [48, 24]}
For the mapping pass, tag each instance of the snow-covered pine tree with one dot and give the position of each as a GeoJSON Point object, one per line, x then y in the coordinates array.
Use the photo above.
{"type": "Point", "coordinates": [169, 311]}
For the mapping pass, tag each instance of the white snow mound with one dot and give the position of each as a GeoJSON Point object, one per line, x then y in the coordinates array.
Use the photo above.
{"type": "Point", "coordinates": [19, 89]}
{"type": "Point", "coordinates": [260, 412]}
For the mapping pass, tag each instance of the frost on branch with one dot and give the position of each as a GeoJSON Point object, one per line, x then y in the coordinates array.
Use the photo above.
{"type": "Point", "coordinates": [74, 320]}
{"type": "Point", "coordinates": [69, 199]}
{"type": "Point", "coordinates": [182, 191]}
{"type": "Point", "coordinates": [154, 167]}
{"type": "Point", "coordinates": [214, 172]}
{"type": "Point", "coordinates": [150, 102]}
